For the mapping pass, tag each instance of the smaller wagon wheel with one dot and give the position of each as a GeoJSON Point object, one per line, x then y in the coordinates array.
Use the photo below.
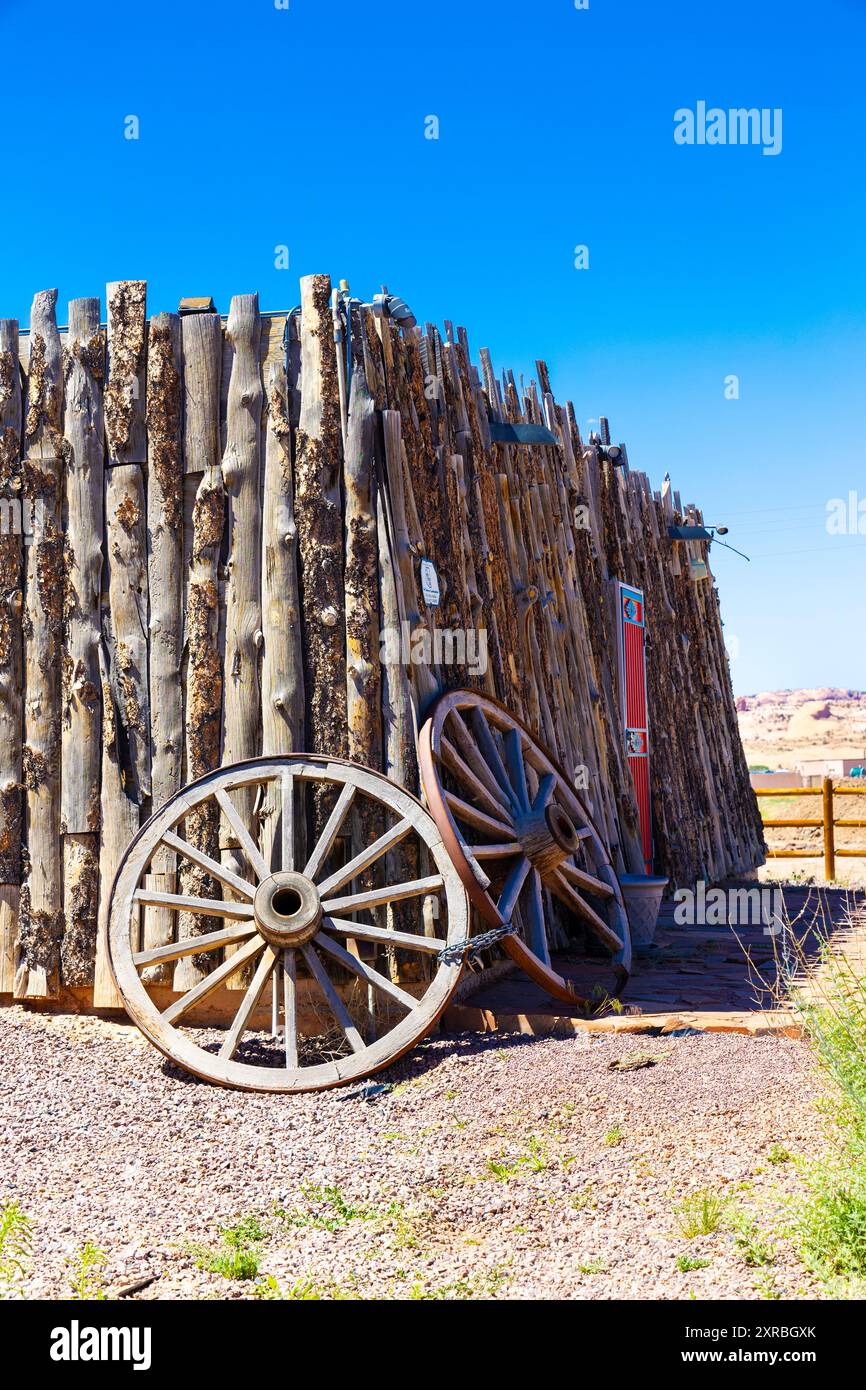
{"type": "Point", "coordinates": [514, 826]}
{"type": "Point", "coordinates": [298, 927]}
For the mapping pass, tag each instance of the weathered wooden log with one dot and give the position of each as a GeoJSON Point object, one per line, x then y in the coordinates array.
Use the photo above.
{"type": "Point", "coordinates": [85, 445]}
{"type": "Point", "coordinates": [126, 438]}
{"type": "Point", "coordinates": [363, 664]}
{"type": "Point", "coordinates": [125, 395]}
{"type": "Point", "coordinates": [282, 658]}
{"type": "Point", "coordinates": [11, 649]}
{"type": "Point", "coordinates": [165, 553]}
{"type": "Point", "coordinates": [120, 810]}
{"type": "Point", "coordinates": [38, 968]}
{"type": "Point", "coordinates": [320, 529]}
{"type": "Point", "coordinates": [81, 737]}
{"type": "Point", "coordinates": [202, 352]}
{"type": "Point", "coordinates": [165, 589]}
{"type": "Point", "coordinates": [241, 473]}
{"type": "Point", "coordinates": [202, 368]}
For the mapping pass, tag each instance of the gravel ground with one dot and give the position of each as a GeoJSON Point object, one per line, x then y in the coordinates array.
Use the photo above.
{"type": "Point", "coordinates": [497, 1167]}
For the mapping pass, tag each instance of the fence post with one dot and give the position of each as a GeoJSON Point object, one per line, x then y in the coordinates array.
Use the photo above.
{"type": "Point", "coordinates": [829, 834]}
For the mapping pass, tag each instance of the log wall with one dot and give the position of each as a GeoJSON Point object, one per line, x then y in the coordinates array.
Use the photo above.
{"type": "Point", "coordinates": [233, 534]}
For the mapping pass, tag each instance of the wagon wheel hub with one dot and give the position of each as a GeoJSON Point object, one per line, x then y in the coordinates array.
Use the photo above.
{"type": "Point", "coordinates": [547, 838]}
{"type": "Point", "coordinates": [288, 909]}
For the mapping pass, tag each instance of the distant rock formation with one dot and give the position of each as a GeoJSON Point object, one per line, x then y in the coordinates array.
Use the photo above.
{"type": "Point", "coordinates": [781, 727]}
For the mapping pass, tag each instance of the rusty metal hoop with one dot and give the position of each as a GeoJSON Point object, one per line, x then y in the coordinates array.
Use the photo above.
{"type": "Point", "coordinates": [280, 921]}
{"type": "Point", "coordinates": [516, 827]}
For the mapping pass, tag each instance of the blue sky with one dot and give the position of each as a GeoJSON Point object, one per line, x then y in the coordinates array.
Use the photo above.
{"type": "Point", "coordinates": [305, 127]}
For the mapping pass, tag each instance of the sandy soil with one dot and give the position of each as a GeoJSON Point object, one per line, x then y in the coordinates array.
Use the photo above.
{"type": "Point", "coordinates": [492, 1168]}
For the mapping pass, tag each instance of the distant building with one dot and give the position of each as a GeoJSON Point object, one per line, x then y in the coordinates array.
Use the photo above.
{"type": "Point", "coordinates": [814, 770]}
{"type": "Point", "coordinates": [761, 781]}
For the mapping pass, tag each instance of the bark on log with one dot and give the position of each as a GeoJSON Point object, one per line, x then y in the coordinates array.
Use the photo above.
{"type": "Point", "coordinates": [320, 530]}
{"type": "Point", "coordinates": [202, 354]}
{"type": "Point", "coordinates": [165, 587]}
{"type": "Point", "coordinates": [363, 665]}
{"type": "Point", "coordinates": [241, 472]}
{"type": "Point", "coordinates": [11, 650]}
{"type": "Point", "coordinates": [38, 969]}
{"type": "Point", "coordinates": [85, 446]}
{"type": "Point", "coordinates": [282, 657]}
{"type": "Point", "coordinates": [125, 428]}
{"type": "Point", "coordinates": [81, 737]}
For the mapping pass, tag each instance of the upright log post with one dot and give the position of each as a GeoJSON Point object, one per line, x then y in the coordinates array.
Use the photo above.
{"type": "Point", "coordinates": [202, 355]}
{"type": "Point", "coordinates": [829, 830]}
{"type": "Point", "coordinates": [363, 665]}
{"type": "Point", "coordinates": [241, 472]}
{"type": "Point", "coordinates": [320, 530]}
{"type": "Point", "coordinates": [126, 769]}
{"type": "Point", "coordinates": [38, 969]}
{"type": "Point", "coordinates": [11, 650]}
{"type": "Point", "coordinates": [81, 738]}
{"type": "Point", "coordinates": [282, 657]}
{"type": "Point", "coordinates": [165, 588]}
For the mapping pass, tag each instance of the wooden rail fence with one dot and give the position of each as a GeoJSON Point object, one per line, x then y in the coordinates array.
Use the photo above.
{"type": "Point", "coordinates": [827, 822]}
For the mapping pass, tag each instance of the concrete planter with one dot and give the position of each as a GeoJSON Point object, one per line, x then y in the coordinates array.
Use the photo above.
{"type": "Point", "coordinates": [642, 894]}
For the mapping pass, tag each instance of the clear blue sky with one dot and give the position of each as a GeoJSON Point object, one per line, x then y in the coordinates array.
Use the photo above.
{"type": "Point", "coordinates": [305, 127]}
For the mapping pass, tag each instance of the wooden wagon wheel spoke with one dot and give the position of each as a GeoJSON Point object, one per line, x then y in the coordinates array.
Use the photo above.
{"type": "Point", "coordinates": [474, 759]}
{"type": "Point", "coordinates": [581, 879]}
{"type": "Point", "coordinates": [194, 945]}
{"type": "Point", "coordinates": [535, 928]}
{"type": "Point", "coordinates": [333, 826]}
{"type": "Point", "coordinates": [290, 1009]}
{"type": "Point", "coordinates": [366, 857]}
{"type": "Point", "coordinates": [183, 902]}
{"type": "Point", "coordinates": [289, 931]}
{"type": "Point", "coordinates": [365, 972]}
{"type": "Point", "coordinates": [547, 846]}
{"type": "Point", "coordinates": [287, 833]}
{"type": "Point", "coordinates": [256, 989]}
{"type": "Point", "coordinates": [178, 1010]}
{"type": "Point", "coordinates": [513, 885]}
{"type": "Point", "coordinates": [514, 766]}
{"type": "Point", "coordinates": [204, 861]}
{"type": "Point", "coordinates": [375, 897]}
{"type": "Point", "coordinates": [242, 834]}
{"type": "Point", "coordinates": [409, 941]}
{"type": "Point", "coordinates": [490, 752]}
{"type": "Point", "coordinates": [558, 884]}
{"type": "Point", "coordinates": [335, 1003]}
{"type": "Point", "coordinates": [479, 820]}
{"type": "Point", "coordinates": [495, 851]}
{"type": "Point", "coordinates": [494, 804]}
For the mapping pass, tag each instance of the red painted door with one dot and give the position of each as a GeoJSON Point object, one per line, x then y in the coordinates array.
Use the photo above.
{"type": "Point", "coordinates": [632, 669]}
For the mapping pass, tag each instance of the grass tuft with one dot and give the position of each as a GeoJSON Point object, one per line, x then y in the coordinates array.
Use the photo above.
{"type": "Point", "coordinates": [16, 1249]}
{"type": "Point", "coordinates": [700, 1214]}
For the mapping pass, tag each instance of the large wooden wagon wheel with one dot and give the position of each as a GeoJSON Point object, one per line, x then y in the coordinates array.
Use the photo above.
{"type": "Point", "coordinates": [296, 926]}
{"type": "Point", "coordinates": [514, 826]}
